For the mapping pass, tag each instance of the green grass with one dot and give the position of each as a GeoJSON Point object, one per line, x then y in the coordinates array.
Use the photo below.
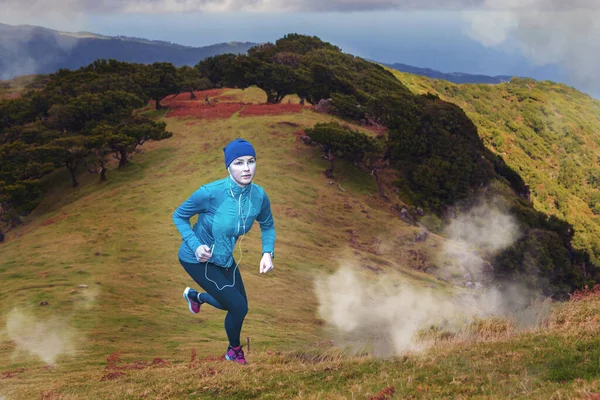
{"type": "Point", "coordinates": [545, 131]}
{"type": "Point", "coordinates": [117, 238]}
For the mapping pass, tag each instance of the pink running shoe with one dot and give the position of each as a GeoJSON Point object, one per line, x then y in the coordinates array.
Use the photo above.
{"type": "Point", "coordinates": [236, 354]}
{"type": "Point", "coordinates": [192, 296]}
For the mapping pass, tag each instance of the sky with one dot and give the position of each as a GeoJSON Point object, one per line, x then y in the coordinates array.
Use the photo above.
{"type": "Point", "coordinates": [543, 39]}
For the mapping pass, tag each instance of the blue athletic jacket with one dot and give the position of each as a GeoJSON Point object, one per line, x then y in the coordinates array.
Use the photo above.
{"type": "Point", "coordinates": [225, 212]}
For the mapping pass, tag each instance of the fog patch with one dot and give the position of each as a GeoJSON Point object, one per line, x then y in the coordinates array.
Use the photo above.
{"type": "Point", "coordinates": [387, 315]}
{"type": "Point", "coordinates": [45, 338]}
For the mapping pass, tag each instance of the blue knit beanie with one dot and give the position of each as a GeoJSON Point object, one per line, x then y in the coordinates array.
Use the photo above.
{"type": "Point", "coordinates": [237, 148]}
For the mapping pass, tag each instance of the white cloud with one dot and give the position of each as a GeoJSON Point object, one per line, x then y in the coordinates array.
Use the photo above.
{"type": "Point", "coordinates": [156, 6]}
{"type": "Point", "coordinates": [546, 31]}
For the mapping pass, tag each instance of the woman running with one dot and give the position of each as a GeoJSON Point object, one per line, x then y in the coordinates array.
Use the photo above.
{"type": "Point", "coordinates": [226, 210]}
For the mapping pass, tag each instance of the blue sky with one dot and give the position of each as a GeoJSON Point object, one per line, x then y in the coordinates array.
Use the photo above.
{"type": "Point", "coordinates": [544, 39]}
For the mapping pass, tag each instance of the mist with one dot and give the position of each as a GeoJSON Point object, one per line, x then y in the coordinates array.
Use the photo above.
{"type": "Point", "coordinates": [387, 315]}
{"type": "Point", "coordinates": [31, 50]}
{"type": "Point", "coordinates": [46, 339]}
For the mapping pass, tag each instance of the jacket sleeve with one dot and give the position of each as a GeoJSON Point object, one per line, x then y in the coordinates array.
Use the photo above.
{"type": "Point", "coordinates": [267, 226]}
{"type": "Point", "coordinates": [197, 203]}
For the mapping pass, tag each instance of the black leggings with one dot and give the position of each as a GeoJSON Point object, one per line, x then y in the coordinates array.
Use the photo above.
{"type": "Point", "coordinates": [230, 298]}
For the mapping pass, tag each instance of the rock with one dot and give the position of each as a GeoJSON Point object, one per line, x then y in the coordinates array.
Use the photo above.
{"type": "Point", "coordinates": [1, 236]}
{"type": "Point", "coordinates": [323, 106]}
{"type": "Point", "coordinates": [407, 217]}
{"type": "Point", "coordinates": [82, 286]}
{"type": "Point", "coordinates": [421, 236]}
{"type": "Point", "coordinates": [306, 139]}
{"type": "Point", "coordinates": [418, 211]}
{"type": "Point", "coordinates": [43, 303]}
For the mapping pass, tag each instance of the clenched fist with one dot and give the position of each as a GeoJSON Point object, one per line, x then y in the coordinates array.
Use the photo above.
{"type": "Point", "coordinates": [203, 253]}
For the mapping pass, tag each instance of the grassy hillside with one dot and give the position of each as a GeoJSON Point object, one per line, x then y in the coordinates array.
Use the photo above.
{"type": "Point", "coordinates": [118, 239]}
{"type": "Point", "coordinates": [128, 334]}
{"type": "Point", "coordinates": [548, 132]}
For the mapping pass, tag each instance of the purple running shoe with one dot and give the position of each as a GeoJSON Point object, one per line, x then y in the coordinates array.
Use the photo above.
{"type": "Point", "coordinates": [236, 354]}
{"type": "Point", "coordinates": [192, 298]}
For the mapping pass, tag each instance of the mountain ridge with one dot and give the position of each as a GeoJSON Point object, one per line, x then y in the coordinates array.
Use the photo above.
{"type": "Point", "coordinates": [28, 49]}
{"type": "Point", "coordinates": [454, 77]}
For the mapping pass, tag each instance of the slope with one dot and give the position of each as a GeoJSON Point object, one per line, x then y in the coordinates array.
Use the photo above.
{"type": "Point", "coordinates": [548, 133]}
{"type": "Point", "coordinates": [118, 240]}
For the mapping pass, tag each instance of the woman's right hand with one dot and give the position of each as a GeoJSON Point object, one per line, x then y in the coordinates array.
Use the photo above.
{"type": "Point", "coordinates": [203, 253]}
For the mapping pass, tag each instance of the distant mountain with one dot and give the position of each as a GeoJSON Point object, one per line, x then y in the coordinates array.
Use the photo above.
{"type": "Point", "coordinates": [27, 49]}
{"type": "Point", "coordinates": [455, 77]}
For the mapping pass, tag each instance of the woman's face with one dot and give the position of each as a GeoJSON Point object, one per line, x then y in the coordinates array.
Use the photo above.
{"type": "Point", "coordinates": [242, 170]}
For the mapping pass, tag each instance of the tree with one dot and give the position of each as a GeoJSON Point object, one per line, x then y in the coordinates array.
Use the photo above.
{"type": "Point", "coordinates": [21, 167]}
{"type": "Point", "coordinates": [123, 140]}
{"type": "Point", "coordinates": [216, 68]}
{"type": "Point", "coordinates": [160, 80]}
{"type": "Point", "coordinates": [191, 80]}
{"type": "Point", "coordinates": [276, 80]}
{"type": "Point", "coordinates": [73, 151]}
{"type": "Point", "coordinates": [84, 111]}
{"type": "Point", "coordinates": [340, 142]}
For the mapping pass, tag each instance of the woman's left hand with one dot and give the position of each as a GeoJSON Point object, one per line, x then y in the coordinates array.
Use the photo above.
{"type": "Point", "coordinates": [266, 264]}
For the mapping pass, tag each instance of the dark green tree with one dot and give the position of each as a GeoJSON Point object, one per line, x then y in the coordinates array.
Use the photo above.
{"type": "Point", "coordinates": [339, 142]}
{"type": "Point", "coordinates": [217, 68]}
{"type": "Point", "coordinates": [160, 80]}
{"type": "Point", "coordinates": [191, 80]}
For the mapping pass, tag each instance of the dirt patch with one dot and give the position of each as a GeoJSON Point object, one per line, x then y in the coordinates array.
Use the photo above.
{"type": "Point", "coordinates": [384, 393]}
{"type": "Point", "coordinates": [270, 109]}
{"type": "Point", "coordinates": [112, 375]}
{"type": "Point", "coordinates": [10, 374]}
{"type": "Point", "coordinates": [195, 361]}
{"type": "Point", "coordinates": [200, 110]}
{"type": "Point", "coordinates": [287, 123]}
{"type": "Point", "coordinates": [114, 366]}
{"type": "Point", "coordinates": [53, 220]}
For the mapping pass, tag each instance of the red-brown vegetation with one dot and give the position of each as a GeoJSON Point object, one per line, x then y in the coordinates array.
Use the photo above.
{"type": "Point", "coordinates": [10, 374]}
{"type": "Point", "coordinates": [194, 361]}
{"type": "Point", "coordinates": [51, 395]}
{"type": "Point", "coordinates": [200, 110]}
{"type": "Point", "coordinates": [383, 394]}
{"type": "Point", "coordinates": [585, 293]}
{"type": "Point", "coordinates": [53, 220]}
{"type": "Point", "coordinates": [112, 375]}
{"type": "Point", "coordinates": [114, 365]}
